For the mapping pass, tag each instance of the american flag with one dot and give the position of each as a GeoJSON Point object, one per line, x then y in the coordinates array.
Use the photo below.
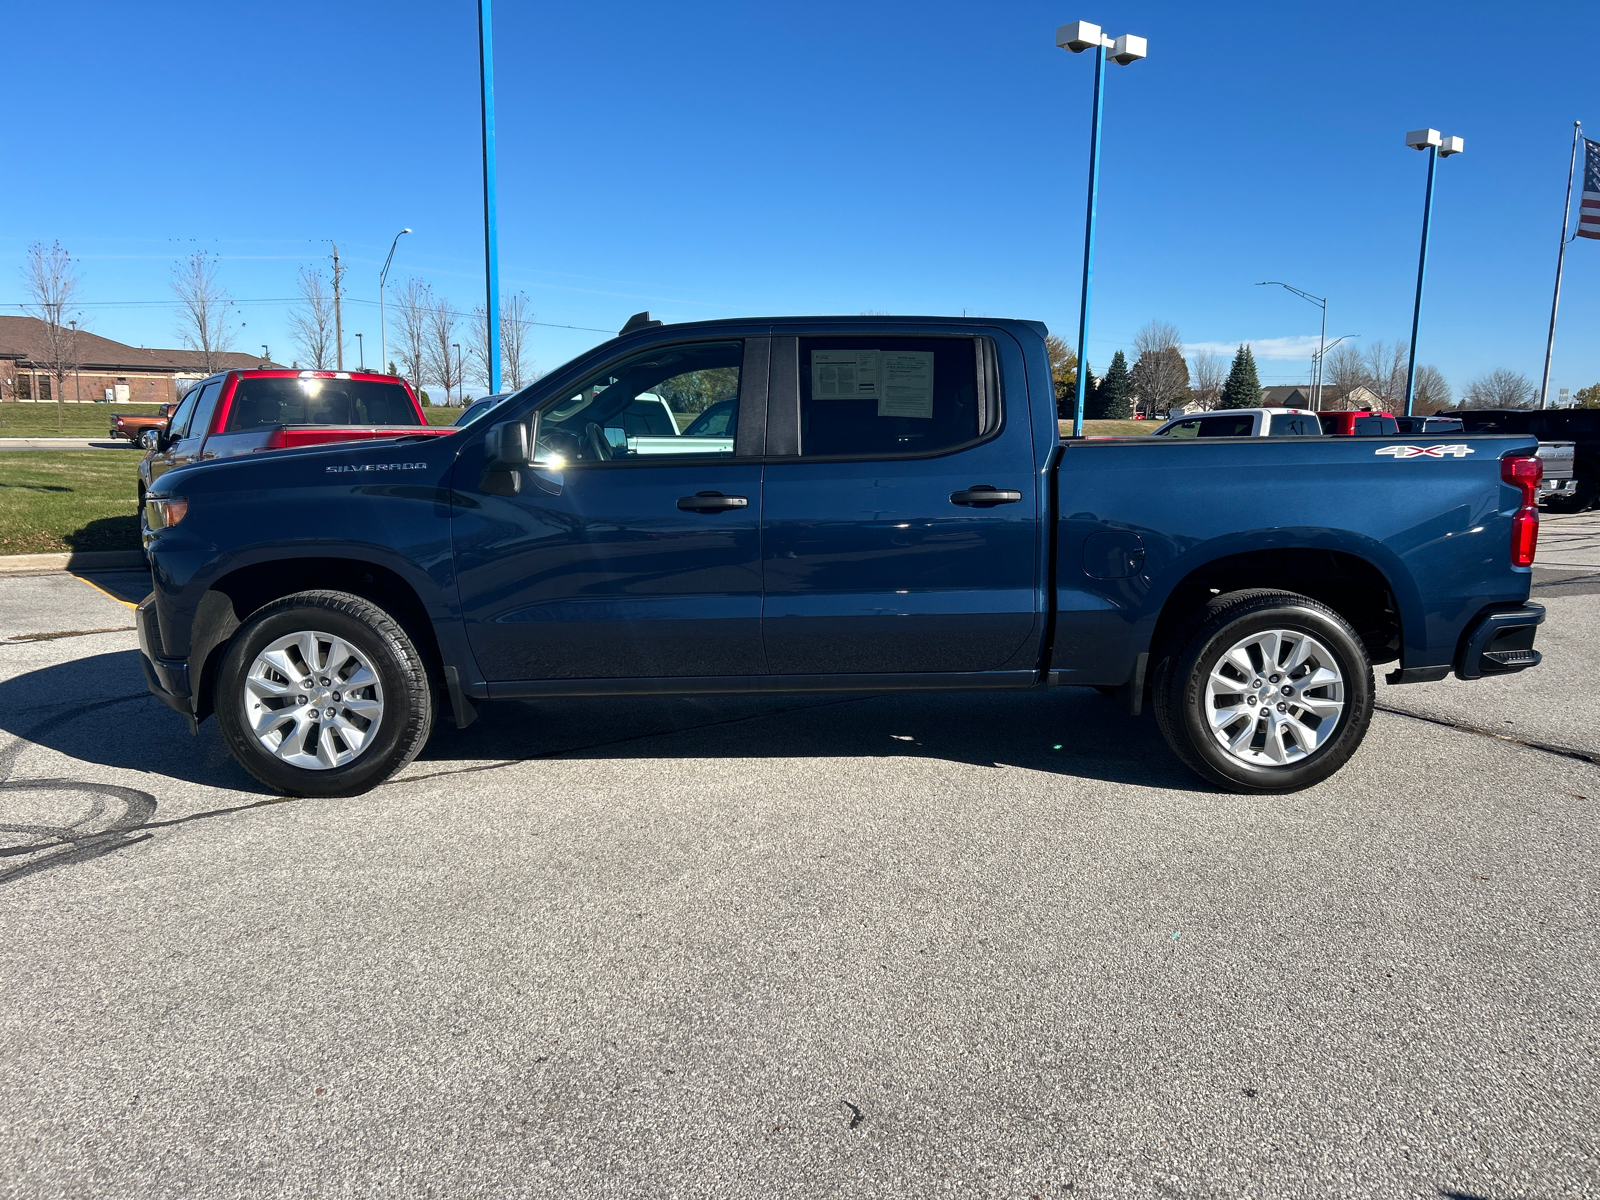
{"type": "Point", "coordinates": [1589, 210]}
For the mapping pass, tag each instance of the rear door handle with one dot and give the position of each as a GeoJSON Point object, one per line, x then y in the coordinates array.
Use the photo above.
{"type": "Point", "coordinates": [711, 502]}
{"type": "Point", "coordinates": [984, 496]}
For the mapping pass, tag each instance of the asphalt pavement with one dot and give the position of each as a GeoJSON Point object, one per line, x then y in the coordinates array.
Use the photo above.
{"type": "Point", "coordinates": [980, 945]}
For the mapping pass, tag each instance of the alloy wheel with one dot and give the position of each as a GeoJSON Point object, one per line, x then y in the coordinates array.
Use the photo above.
{"type": "Point", "coordinates": [1274, 697]}
{"type": "Point", "coordinates": [312, 700]}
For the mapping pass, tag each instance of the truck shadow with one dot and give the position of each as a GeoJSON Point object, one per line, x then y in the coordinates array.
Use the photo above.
{"type": "Point", "coordinates": [96, 710]}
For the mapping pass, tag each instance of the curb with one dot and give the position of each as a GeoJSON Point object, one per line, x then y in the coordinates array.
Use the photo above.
{"type": "Point", "coordinates": [88, 560]}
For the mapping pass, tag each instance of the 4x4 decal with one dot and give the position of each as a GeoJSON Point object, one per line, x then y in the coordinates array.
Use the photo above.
{"type": "Point", "coordinates": [1455, 450]}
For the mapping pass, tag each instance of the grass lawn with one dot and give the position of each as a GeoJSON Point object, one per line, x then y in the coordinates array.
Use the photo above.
{"type": "Point", "coordinates": [439, 415]}
{"type": "Point", "coordinates": [77, 420]}
{"type": "Point", "coordinates": [54, 500]}
{"type": "Point", "coordinates": [1113, 428]}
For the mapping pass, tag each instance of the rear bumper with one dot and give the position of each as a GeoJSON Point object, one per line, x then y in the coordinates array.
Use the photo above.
{"type": "Point", "coordinates": [167, 678]}
{"type": "Point", "coordinates": [1500, 643]}
{"type": "Point", "coordinates": [1557, 487]}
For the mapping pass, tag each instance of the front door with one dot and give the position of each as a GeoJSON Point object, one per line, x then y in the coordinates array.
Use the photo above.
{"type": "Point", "coordinates": [902, 536]}
{"type": "Point", "coordinates": [632, 548]}
{"type": "Point", "coordinates": [186, 432]}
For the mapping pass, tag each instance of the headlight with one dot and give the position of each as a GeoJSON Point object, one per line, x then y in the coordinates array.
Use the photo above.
{"type": "Point", "coordinates": [164, 512]}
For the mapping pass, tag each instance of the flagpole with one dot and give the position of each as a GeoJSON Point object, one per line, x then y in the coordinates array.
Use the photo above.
{"type": "Point", "coordinates": [1561, 258]}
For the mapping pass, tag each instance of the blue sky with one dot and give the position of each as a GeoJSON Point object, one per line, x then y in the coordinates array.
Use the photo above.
{"type": "Point", "coordinates": [703, 160]}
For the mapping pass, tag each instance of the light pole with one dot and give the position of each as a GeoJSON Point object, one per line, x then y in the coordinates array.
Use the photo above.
{"type": "Point", "coordinates": [1322, 342]}
{"type": "Point", "coordinates": [491, 216]}
{"type": "Point", "coordinates": [361, 350]}
{"type": "Point", "coordinates": [1437, 147]}
{"type": "Point", "coordinates": [1320, 358]}
{"type": "Point", "coordinates": [383, 327]}
{"type": "Point", "coordinates": [1078, 37]}
{"type": "Point", "coordinates": [266, 355]}
{"type": "Point", "coordinates": [460, 382]}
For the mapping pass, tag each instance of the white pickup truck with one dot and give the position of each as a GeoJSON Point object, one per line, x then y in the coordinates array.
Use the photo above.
{"type": "Point", "coordinates": [1244, 422]}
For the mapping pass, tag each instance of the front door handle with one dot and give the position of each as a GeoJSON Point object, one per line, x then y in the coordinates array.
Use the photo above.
{"type": "Point", "coordinates": [711, 502]}
{"type": "Point", "coordinates": [984, 496]}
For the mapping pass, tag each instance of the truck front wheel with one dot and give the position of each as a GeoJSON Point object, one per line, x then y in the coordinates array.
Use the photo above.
{"type": "Point", "coordinates": [1264, 692]}
{"type": "Point", "coordinates": [323, 694]}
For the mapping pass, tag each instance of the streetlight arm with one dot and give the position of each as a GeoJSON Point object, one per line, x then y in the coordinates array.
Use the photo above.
{"type": "Point", "coordinates": [1319, 300]}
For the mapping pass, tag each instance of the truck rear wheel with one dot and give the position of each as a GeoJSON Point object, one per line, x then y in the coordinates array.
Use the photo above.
{"type": "Point", "coordinates": [323, 694]}
{"type": "Point", "coordinates": [1264, 692]}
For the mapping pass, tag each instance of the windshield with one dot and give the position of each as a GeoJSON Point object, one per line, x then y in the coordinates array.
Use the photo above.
{"type": "Point", "coordinates": [279, 401]}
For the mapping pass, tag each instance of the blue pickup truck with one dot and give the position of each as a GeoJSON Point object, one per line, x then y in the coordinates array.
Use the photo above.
{"type": "Point", "coordinates": [853, 504]}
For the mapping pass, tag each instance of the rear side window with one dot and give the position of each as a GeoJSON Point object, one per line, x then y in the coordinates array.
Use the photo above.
{"type": "Point", "coordinates": [1226, 426]}
{"type": "Point", "coordinates": [886, 397]}
{"type": "Point", "coordinates": [265, 402]}
{"type": "Point", "coordinates": [1294, 425]}
{"type": "Point", "coordinates": [1374, 426]}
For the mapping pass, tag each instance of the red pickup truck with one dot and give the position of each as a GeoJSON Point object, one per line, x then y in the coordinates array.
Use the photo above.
{"type": "Point", "coordinates": [243, 412]}
{"type": "Point", "coordinates": [1361, 422]}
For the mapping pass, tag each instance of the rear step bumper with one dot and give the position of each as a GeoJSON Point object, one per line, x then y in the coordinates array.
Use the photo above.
{"type": "Point", "coordinates": [1500, 643]}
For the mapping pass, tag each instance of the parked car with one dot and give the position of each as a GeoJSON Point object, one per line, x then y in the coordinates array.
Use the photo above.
{"type": "Point", "coordinates": [1428, 425]}
{"type": "Point", "coordinates": [1359, 423]}
{"type": "Point", "coordinates": [1244, 422]}
{"type": "Point", "coordinates": [477, 408]}
{"type": "Point", "coordinates": [141, 429]}
{"type": "Point", "coordinates": [1580, 426]}
{"type": "Point", "coordinates": [895, 511]}
{"type": "Point", "coordinates": [245, 412]}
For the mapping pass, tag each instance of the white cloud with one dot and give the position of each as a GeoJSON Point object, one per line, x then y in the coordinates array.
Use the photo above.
{"type": "Point", "coordinates": [1279, 347]}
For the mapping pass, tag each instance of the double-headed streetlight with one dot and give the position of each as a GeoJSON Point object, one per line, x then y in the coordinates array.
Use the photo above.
{"type": "Point", "coordinates": [361, 349]}
{"type": "Point", "coordinates": [1437, 147]}
{"type": "Point", "coordinates": [383, 327]}
{"type": "Point", "coordinates": [1129, 48]}
{"type": "Point", "coordinates": [1322, 342]}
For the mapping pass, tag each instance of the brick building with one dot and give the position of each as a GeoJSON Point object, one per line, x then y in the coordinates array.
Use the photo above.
{"type": "Point", "coordinates": [129, 374]}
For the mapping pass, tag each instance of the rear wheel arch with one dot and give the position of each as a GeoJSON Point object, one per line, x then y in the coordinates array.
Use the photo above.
{"type": "Point", "coordinates": [1354, 587]}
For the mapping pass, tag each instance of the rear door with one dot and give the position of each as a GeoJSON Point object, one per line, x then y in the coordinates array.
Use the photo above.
{"type": "Point", "coordinates": [900, 507]}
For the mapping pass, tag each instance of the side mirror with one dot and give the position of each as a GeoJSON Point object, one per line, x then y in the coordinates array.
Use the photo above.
{"type": "Point", "coordinates": [508, 447]}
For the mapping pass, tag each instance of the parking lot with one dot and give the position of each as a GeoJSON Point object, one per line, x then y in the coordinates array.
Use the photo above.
{"type": "Point", "coordinates": [992, 945]}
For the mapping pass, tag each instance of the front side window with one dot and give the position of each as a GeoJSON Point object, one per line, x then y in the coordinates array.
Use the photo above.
{"type": "Point", "coordinates": [675, 400]}
{"type": "Point", "coordinates": [1183, 429]}
{"type": "Point", "coordinates": [259, 403]}
{"type": "Point", "coordinates": [886, 397]}
{"type": "Point", "coordinates": [180, 418]}
{"type": "Point", "coordinates": [205, 407]}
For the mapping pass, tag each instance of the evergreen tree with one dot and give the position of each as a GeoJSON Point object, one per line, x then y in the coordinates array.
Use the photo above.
{"type": "Point", "coordinates": [1243, 389]}
{"type": "Point", "coordinates": [1113, 396]}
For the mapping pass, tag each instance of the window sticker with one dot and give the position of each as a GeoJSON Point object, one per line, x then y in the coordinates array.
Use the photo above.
{"type": "Point", "coordinates": [907, 389]}
{"type": "Point", "coordinates": [845, 375]}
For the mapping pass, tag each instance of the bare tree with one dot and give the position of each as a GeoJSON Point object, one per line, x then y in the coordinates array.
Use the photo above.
{"type": "Point", "coordinates": [409, 307]}
{"type": "Point", "coordinates": [1385, 365]}
{"type": "Point", "coordinates": [52, 283]}
{"type": "Point", "coordinates": [1208, 371]}
{"type": "Point", "coordinates": [476, 367]}
{"type": "Point", "coordinates": [311, 324]}
{"type": "Point", "coordinates": [1343, 372]}
{"type": "Point", "coordinates": [438, 354]}
{"type": "Point", "coordinates": [516, 322]}
{"type": "Point", "coordinates": [1503, 388]}
{"type": "Point", "coordinates": [203, 321]}
{"type": "Point", "coordinates": [1160, 377]}
{"type": "Point", "coordinates": [1433, 391]}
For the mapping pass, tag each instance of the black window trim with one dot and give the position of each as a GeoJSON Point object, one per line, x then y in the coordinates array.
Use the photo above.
{"type": "Point", "coordinates": [990, 397]}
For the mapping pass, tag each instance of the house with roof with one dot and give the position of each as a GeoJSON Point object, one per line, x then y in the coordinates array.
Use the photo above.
{"type": "Point", "coordinates": [1299, 396]}
{"type": "Point", "coordinates": [97, 368]}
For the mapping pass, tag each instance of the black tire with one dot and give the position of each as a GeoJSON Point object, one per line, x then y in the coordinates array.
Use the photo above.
{"type": "Point", "coordinates": [406, 718]}
{"type": "Point", "coordinates": [1181, 698]}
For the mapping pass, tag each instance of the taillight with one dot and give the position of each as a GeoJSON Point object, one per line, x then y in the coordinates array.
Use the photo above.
{"type": "Point", "coordinates": [1524, 474]}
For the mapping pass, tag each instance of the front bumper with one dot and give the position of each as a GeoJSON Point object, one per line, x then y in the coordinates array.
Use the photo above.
{"type": "Point", "coordinates": [168, 678]}
{"type": "Point", "coordinates": [1500, 643]}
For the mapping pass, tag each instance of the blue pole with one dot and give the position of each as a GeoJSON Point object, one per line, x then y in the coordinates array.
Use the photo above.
{"type": "Point", "coordinates": [1422, 268]}
{"type": "Point", "coordinates": [1088, 242]}
{"type": "Point", "coordinates": [491, 216]}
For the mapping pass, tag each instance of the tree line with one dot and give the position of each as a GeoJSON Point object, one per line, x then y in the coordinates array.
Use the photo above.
{"type": "Point", "coordinates": [427, 329]}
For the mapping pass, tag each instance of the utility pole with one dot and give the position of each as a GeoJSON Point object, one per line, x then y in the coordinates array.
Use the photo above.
{"type": "Point", "coordinates": [338, 316]}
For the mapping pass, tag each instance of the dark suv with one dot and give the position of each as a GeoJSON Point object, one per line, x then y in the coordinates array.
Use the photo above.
{"type": "Point", "coordinates": [1578, 425]}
